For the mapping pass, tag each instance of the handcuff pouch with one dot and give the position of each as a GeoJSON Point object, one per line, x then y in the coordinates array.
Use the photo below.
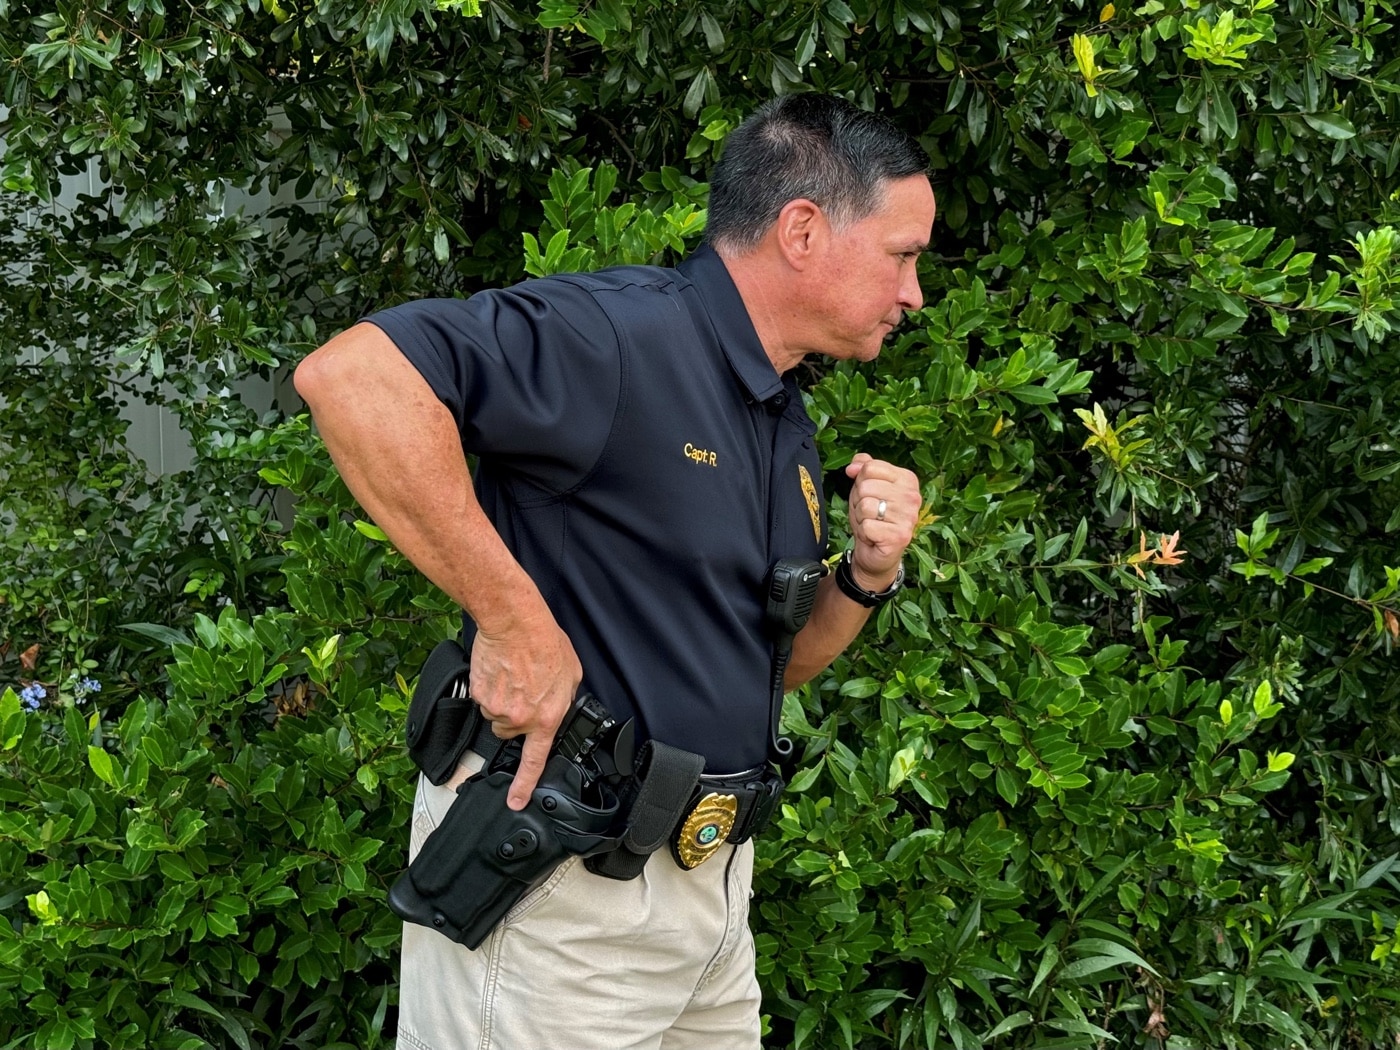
{"type": "Point", "coordinates": [658, 795]}
{"type": "Point", "coordinates": [442, 719]}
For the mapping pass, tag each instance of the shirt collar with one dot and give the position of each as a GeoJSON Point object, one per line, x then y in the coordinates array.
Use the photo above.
{"type": "Point", "coordinates": [735, 331]}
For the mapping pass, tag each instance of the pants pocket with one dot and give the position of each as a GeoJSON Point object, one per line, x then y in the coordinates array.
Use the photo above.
{"type": "Point", "coordinates": [539, 895]}
{"type": "Point", "coordinates": [430, 805]}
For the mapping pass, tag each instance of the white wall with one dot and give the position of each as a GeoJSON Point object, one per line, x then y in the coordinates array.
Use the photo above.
{"type": "Point", "coordinates": [154, 433]}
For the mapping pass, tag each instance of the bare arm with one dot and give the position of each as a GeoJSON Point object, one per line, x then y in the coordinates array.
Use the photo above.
{"type": "Point", "coordinates": [398, 449]}
{"type": "Point", "coordinates": [878, 547]}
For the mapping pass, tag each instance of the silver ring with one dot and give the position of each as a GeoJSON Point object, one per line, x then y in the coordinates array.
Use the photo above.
{"type": "Point", "coordinates": [880, 509]}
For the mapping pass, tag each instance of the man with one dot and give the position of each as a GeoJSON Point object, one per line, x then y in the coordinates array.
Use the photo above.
{"type": "Point", "coordinates": [643, 458]}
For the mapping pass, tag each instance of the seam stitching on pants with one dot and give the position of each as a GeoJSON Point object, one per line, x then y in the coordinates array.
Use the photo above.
{"type": "Point", "coordinates": [488, 990]}
{"type": "Point", "coordinates": [727, 941]}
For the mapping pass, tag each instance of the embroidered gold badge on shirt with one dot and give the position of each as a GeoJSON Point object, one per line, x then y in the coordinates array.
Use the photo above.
{"type": "Point", "coordinates": [813, 505]}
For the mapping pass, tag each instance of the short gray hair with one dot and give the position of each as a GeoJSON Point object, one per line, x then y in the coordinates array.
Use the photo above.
{"type": "Point", "coordinates": [814, 147]}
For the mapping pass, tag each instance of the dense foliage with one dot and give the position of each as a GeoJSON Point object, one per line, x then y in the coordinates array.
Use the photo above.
{"type": "Point", "coordinates": [1121, 768]}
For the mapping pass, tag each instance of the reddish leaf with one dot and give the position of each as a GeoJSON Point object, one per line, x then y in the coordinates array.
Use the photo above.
{"type": "Point", "coordinates": [1168, 554]}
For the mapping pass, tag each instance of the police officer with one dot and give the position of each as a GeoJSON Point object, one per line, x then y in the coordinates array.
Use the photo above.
{"type": "Point", "coordinates": [642, 456]}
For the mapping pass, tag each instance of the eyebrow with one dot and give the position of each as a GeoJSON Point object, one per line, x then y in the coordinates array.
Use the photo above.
{"type": "Point", "coordinates": [915, 247]}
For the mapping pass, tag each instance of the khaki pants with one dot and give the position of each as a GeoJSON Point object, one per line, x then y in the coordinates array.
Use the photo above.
{"type": "Point", "coordinates": [662, 962]}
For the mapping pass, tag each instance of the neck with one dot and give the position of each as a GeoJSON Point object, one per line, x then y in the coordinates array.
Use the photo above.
{"type": "Point", "coordinates": [776, 317]}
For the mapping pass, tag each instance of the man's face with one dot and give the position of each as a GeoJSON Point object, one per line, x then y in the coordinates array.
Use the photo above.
{"type": "Point", "coordinates": [868, 276]}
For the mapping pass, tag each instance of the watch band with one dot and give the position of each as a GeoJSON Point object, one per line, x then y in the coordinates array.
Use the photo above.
{"type": "Point", "coordinates": [858, 594]}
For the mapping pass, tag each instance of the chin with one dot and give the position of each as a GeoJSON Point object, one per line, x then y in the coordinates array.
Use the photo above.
{"type": "Point", "coordinates": [877, 344]}
{"type": "Point", "coordinates": [860, 350]}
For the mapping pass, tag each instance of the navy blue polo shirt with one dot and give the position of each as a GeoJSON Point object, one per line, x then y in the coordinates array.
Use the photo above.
{"type": "Point", "coordinates": [646, 464]}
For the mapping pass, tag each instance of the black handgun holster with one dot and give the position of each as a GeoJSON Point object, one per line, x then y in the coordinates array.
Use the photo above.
{"type": "Point", "coordinates": [484, 856]}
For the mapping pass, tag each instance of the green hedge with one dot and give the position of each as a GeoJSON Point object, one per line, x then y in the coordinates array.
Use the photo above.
{"type": "Point", "coordinates": [1121, 767]}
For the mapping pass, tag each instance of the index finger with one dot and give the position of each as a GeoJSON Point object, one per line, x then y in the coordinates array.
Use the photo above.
{"type": "Point", "coordinates": [883, 470]}
{"type": "Point", "coordinates": [534, 753]}
{"type": "Point", "coordinates": [857, 463]}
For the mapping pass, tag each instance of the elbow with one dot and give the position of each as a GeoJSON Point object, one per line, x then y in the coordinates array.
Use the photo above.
{"type": "Point", "coordinates": [798, 675]}
{"type": "Point", "coordinates": [310, 378]}
{"type": "Point", "coordinates": [357, 369]}
{"type": "Point", "coordinates": [331, 369]}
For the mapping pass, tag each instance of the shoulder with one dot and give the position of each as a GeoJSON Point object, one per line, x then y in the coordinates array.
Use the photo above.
{"type": "Point", "coordinates": [613, 288]}
{"type": "Point", "coordinates": [627, 295]}
{"type": "Point", "coordinates": [588, 307]}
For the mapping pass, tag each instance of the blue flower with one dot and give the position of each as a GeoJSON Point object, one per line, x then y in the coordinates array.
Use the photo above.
{"type": "Point", "coordinates": [84, 688]}
{"type": "Point", "coordinates": [32, 694]}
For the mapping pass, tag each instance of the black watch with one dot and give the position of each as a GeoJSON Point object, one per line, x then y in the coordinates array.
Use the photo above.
{"type": "Point", "coordinates": [857, 593]}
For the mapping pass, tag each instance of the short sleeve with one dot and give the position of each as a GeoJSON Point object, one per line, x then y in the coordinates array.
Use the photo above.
{"type": "Point", "coordinates": [532, 374]}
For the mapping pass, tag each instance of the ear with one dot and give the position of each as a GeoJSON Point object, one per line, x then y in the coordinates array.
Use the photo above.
{"type": "Point", "coordinates": [800, 231]}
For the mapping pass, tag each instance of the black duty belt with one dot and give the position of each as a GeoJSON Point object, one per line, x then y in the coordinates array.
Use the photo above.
{"type": "Point", "coordinates": [722, 809]}
{"type": "Point", "coordinates": [666, 799]}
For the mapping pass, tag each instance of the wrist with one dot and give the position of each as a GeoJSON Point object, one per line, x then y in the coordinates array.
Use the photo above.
{"type": "Point", "coordinates": [510, 607]}
{"type": "Point", "coordinates": [875, 581]}
{"type": "Point", "coordinates": [868, 590]}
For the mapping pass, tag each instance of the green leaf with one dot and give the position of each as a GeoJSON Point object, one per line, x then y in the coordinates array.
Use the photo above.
{"type": "Point", "coordinates": [805, 778]}
{"type": "Point", "coordinates": [714, 36]}
{"type": "Point", "coordinates": [207, 631]}
{"type": "Point", "coordinates": [695, 95]}
{"type": "Point", "coordinates": [977, 117]}
{"type": "Point", "coordinates": [807, 44]}
{"type": "Point", "coordinates": [189, 1001]}
{"type": "Point", "coordinates": [1010, 1023]}
{"type": "Point", "coordinates": [1048, 962]}
{"type": "Point", "coordinates": [374, 532]}
{"type": "Point", "coordinates": [1107, 949]}
{"type": "Point", "coordinates": [902, 763]}
{"type": "Point", "coordinates": [11, 720]}
{"type": "Point", "coordinates": [1278, 1020]}
{"type": "Point", "coordinates": [1263, 699]}
{"type": "Point", "coordinates": [1226, 119]}
{"type": "Point", "coordinates": [1092, 965]}
{"type": "Point", "coordinates": [175, 868]}
{"type": "Point", "coordinates": [168, 636]}
{"type": "Point", "coordinates": [1280, 761]}
{"type": "Point", "coordinates": [860, 687]}
{"type": "Point", "coordinates": [1333, 125]}
{"type": "Point", "coordinates": [1007, 786]}
{"type": "Point", "coordinates": [101, 764]}
{"type": "Point", "coordinates": [1034, 394]}
{"type": "Point", "coordinates": [806, 1024]}
{"type": "Point", "coordinates": [1328, 908]}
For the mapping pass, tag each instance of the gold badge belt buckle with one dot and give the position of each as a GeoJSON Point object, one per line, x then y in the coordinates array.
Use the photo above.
{"type": "Point", "coordinates": [706, 829]}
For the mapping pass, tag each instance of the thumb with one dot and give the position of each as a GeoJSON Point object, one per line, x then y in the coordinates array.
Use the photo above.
{"type": "Point", "coordinates": [533, 755]}
{"type": "Point", "coordinates": [857, 463]}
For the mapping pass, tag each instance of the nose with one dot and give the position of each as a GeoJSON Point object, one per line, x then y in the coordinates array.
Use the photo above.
{"type": "Point", "coordinates": [911, 296]}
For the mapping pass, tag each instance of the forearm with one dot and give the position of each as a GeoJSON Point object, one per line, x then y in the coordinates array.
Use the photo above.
{"type": "Point", "coordinates": [833, 625]}
{"type": "Point", "coordinates": [398, 449]}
